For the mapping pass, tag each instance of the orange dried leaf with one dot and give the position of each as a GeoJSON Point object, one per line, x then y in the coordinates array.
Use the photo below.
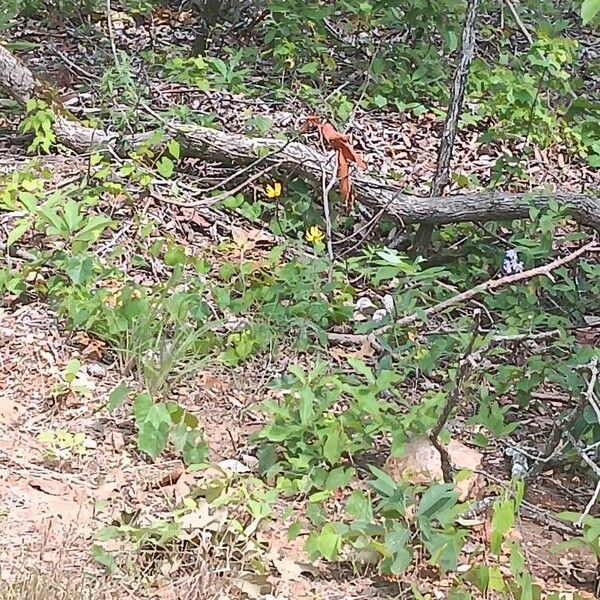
{"type": "Point", "coordinates": [346, 154]}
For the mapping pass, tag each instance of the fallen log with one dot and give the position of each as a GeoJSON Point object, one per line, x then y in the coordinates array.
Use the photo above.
{"type": "Point", "coordinates": [305, 161]}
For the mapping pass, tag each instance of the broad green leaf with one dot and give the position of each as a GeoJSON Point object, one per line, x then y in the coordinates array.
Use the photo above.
{"type": "Point", "coordinates": [384, 484]}
{"type": "Point", "coordinates": [360, 367]}
{"type": "Point", "coordinates": [159, 415]}
{"type": "Point", "coordinates": [328, 542]}
{"type": "Point", "coordinates": [103, 557]}
{"type": "Point", "coordinates": [53, 217]}
{"type": "Point", "coordinates": [165, 166]}
{"type": "Point", "coordinates": [93, 228]}
{"type": "Point", "coordinates": [307, 400]}
{"type": "Point", "coordinates": [332, 450]}
{"type": "Point", "coordinates": [397, 543]}
{"type": "Point", "coordinates": [71, 214]}
{"type": "Point", "coordinates": [79, 269]}
{"type": "Point", "coordinates": [589, 9]}
{"type": "Point", "coordinates": [338, 478]}
{"type": "Point", "coordinates": [195, 455]}
{"type": "Point", "coordinates": [141, 407]}
{"type": "Point", "coordinates": [359, 506]}
{"type": "Point", "coordinates": [18, 231]}
{"type": "Point", "coordinates": [117, 396]}
{"type": "Point", "coordinates": [436, 499]}
{"type": "Point", "coordinates": [28, 200]}
{"type": "Point", "coordinates": [502, 520]}
{"type": "Point", "coordinates": [151, 439]}
{"type": "Point", "coordinates": [174, 149]}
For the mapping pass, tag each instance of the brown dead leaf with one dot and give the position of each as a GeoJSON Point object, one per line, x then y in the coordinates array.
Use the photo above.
{"type": "Point", "coordinates": [346, 154]}
{"type": "Point", "coordinates": [183, 486]}
{"type": "Point", "coordinates": [210, 381]}
{"type": "Point", "coordinates": [116, 440]}
{"type": "Point", "coordinates": [341, 353]}
{"type": "Point", "coordinates": [171, 477]}
{"type": "Point", "coordinates": [9, 411]}
{"type": "Point", "coordinates": [290, 570]}
{"type": "Point", "coordinates": [53, 487]}
{"type": "Point", "coordinates": [105, 491]}
{"type": "Point", "coordinates": [246, 239]}
{"type": "Point", "coordinates": [420, 462]}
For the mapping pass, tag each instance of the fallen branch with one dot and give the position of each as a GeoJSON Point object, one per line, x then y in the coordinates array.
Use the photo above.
{"type": "Point", "coordinates": [486, 286]}
{"type": "Point", "coordinates": [304, 161]}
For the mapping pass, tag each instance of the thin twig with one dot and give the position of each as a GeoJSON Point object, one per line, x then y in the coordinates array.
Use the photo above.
{"type": "Point", "coordinates": [326, 188]}
{"type": "Point", "coordinates": [562, 426]}
{"type": "Point", "coordinates": [224, 195]}
{"type": "Point", "coordinates": [589, 505]}
{"type": "Point", "coordinates": [464, 367]}
{"type": "Point", "coordinates": [111, 33]}
{"type": "Point", "coordinates": [593, 367]}
{"type": "Point", "coordinates": [520, 23]}
{"type": "Point", "coordinates": [486, 286]}
{"type": "Point", "coordinates": [595, 468]}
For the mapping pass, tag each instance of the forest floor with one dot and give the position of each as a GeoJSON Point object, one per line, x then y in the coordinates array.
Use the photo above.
{"type": "Point", "coordinates": [51, 507]}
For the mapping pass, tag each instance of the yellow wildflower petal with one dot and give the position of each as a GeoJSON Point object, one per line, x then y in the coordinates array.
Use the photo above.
{"type": "Point", "coordinates": [273, 191]}
{"type": "Point", "coordinates": [314, 235]}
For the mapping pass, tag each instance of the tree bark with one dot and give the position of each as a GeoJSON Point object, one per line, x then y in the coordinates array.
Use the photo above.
{"type": "Point", "coordinates": [442, 172]}
{"type": "Point", "coordinates": [305, 161]}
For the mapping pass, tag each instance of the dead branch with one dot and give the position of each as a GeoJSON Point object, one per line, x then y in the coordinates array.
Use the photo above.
{"type": "Point", "coordinates": [486, 286]}
{"type": "Point", "coordinates": [304, 161]}
{"type": "Point", "coordinates": [461, 74]}
{"type": "Point", "coordinates": [464, 367]}
{"type": "Point", "coordinates": [562, 426]}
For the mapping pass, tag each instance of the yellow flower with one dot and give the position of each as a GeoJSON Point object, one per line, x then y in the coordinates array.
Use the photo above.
{"type": "Point", "coordinates": [273, 191]}
{"type": "Point", "coordinates": [315, 235]}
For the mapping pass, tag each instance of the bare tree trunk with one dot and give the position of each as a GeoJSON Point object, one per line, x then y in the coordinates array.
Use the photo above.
{"type": "Point", "coordinates": [442, 173]}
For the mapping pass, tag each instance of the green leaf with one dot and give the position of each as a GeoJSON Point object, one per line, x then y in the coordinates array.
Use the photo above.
{"type": "Point", "coordinates": [294, 530]}
{"type": "Point", "coordinates": [332, 450]}
{"type": "Point", "coordinates": [79, 270]}
{"type": "Point", "coordinates": [397, 543]}
{"type": "Point", "coordinates": [360, 367]}
{"type": "Point", "coordinates": [152, 439]}
{"type": "Point", "coordinates": [93, 227]}
{"type": "Point", "coordinates": [141, 407]}
{"type": "Point", "coordinates": [175, 255]}
{"type": "Point", "coordinates": [319, 496]}
{"type": "Point", "coordinates": [117, 396]}
{"type": "Point", "coordinates": [589, 9]}
{"type": "Point", "coordinates": [384, 484]}
{"type": "Point", "coordinates": [309, 68]}
{"type": "Point", "coordinates": [18, 231]}
{"type": "Point", "coordinates": [502, 520]}
{"type": "Point", "coordinates": [436, 499]}
{"type": "Point", "coordinates": [195, 455]}
{"type": "Point", "coordinates": [174, 149]}
{"type": "Point", "coordinates": [307, 400]}
{"type": "Point", "coordinates": [165, 166]}
{"type": "Point", "coordinates": [28, 200]}
{"type": "Point", "coordinates": [328, 542]}
{"type": "Point", "coordinates": [359, 506]}
{"type": "Point", "coordinates": [338, 478]}
{"type": "Point", "coordinates": [71, 214]}
{"type": "Point", "coordinates": [103, 557]}
{"type": "Point", "coordinates": [267, 457]}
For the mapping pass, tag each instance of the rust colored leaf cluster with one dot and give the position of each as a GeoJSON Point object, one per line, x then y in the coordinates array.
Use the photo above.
{"type": "Point", "coordinates": [346, 154]}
